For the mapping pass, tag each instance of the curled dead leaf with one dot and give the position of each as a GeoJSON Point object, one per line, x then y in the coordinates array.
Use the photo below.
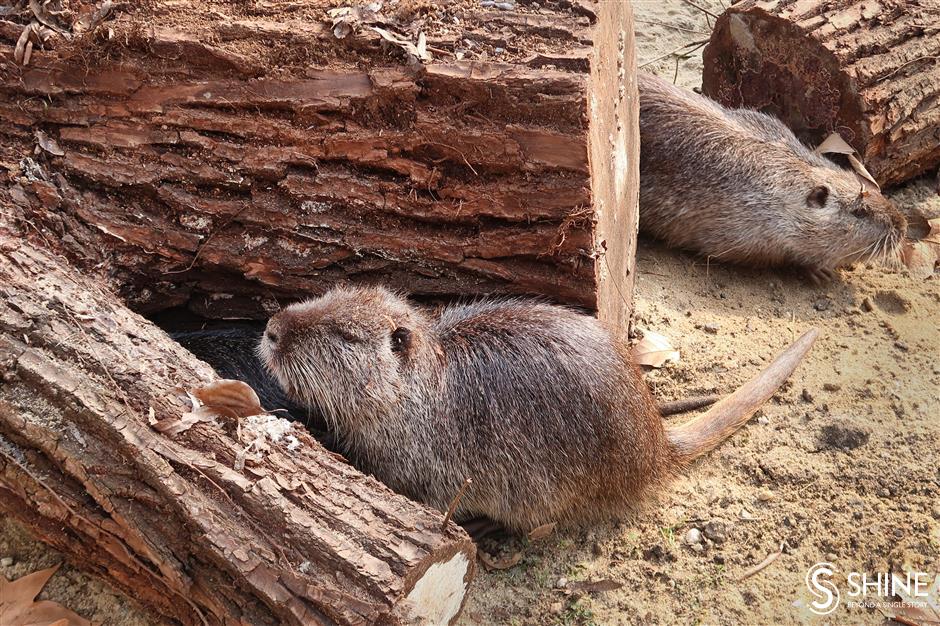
{"type": "Point", "coordinates": [654, 350]}
{"type": "Point", "coordinates": [491, 563]}
{"type": "Point", "coordinates": [541, 532]}
{"type": "Point", "coordinates": [48, 144]}
{"type": "Point", "coordinates": [596, 586]}
{"type": "Point", "coordinates": [46, 17]}
{"type": "Point", "coordinates": [229, 398]}
{"type": "Point", "coordinates": [410, 49]}
{"type": "Point", "coordinates": [18, 602]}
{"type": "Point", "coordinates": [89, 20]}
{"type": "Point", "coordinates": [835, 144]}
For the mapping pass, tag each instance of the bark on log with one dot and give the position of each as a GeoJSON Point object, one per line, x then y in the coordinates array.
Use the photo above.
{"type": "Point", "coordinates": [278, 159]}
{"type": "Point", "coordinates": [297, 537]}
{"type": "Point", "coordinates": [869, 70]}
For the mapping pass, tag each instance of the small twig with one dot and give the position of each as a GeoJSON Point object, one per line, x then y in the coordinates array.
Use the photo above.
{"type": "Point", "coordinates": [455, 502]}
{"type": "Point", "coordinates": [206, 242]}
{"type": "Point", "coordinates": [668, 25]}
{"type": "Point", "coordinates": [773, 556]}
{"type": "Point", "coordinates": [462, 156]}
{"type": "Point", "coordinates": [692, 47]}
{"type": "Point", "coordinates": [702, 9]}
{"type": "Point", "coordinates": [903, 65]}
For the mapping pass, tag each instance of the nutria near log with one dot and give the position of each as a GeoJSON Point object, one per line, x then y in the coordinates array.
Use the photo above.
{"type": "Point", "coordinates": [540, 405]}
{"type": "Point", "coordinates": [737, 185]}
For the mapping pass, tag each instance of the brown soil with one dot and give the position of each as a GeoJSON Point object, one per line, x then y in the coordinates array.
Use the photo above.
{"type": "Point", "coordinates": [841, 466]}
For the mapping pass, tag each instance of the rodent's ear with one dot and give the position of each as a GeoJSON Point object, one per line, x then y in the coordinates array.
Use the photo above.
{"type": "Point", "coordinates": [818, 196]}
{"type": "Point", "coordinates": [401, 340]}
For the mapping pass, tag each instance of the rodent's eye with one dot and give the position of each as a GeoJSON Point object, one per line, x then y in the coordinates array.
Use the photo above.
{"type": "Point", "coordinates": [818, 196]}
{"type": "Point", "coordinates": [860, 211]}
{"type": "Point", "coordinates": [401, 339]}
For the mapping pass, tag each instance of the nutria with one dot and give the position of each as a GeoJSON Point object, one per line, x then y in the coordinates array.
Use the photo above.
{"type": "Point", "coordinates": [538, 404]}
{"type": "Point", "coordinates": [737, 185]}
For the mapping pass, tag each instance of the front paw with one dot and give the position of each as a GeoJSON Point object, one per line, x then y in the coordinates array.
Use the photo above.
{"type": "Point", "coordinates": [820, 275]}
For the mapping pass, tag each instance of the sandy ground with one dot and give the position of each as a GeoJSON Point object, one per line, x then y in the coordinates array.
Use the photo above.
{"type": "Point", "coordinates": [841, 466]}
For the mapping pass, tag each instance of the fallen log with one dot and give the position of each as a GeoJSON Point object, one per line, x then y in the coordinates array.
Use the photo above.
{"type": "Point", "coordinates": [292, 535]}
{"type": "Point", "coordinates": [867, 70]}
{"type": "Point", "coordinates": [232, 159]}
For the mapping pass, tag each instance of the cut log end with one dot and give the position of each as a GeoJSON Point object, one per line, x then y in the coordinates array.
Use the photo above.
{"type": "Point", "coordinates": [438, 594]}
{"type": "Point", "coordinates": [869, 71]}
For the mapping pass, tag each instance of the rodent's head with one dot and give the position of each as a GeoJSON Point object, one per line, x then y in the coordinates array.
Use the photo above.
{"type": "Point", "coordinates": [345, 352]}
{"type": "Point", "coordinates": [845, 222]}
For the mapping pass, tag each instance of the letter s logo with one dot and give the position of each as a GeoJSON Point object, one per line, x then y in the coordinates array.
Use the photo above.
{"type": "Point", "coordinates": [824, 591]}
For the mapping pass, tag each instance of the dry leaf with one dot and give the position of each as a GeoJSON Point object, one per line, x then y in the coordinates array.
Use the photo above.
{"type": "Point", "coordinates": [48, 144]}
{"type": "Point", "coordinates": [18, 603]}
{"type": "Point", "coordinates": [916, 609]}
{"type": "Point", "coordinates": [411, 49]}
{"type": "Point", "coordinates": [176, 425]}
{"type": "Point", "coordinates": [230, 398]}
{"type": "Point", "coordinates": [654, 350]}
{"type": "Point", "coordinates": [492, 563]}
{"type": "Point", "coordinates": [597, 586]}
{"type": "Point", "coordinates": [541, 532]}
{"type": "Point", "coordinates": [922, 257]}
{"type": "Point", "coordinates": [90, 20]}
{"type": "Point", "coordinates": [46, 17]}
{"type": "Point", "coordinates": [835, 144]}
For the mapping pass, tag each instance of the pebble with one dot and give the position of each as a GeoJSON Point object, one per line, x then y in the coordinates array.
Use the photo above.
{"type": "Point", "coordinates": [884, 492]}
{"type": "Point", "coordinates": [693, 537]}
{"type": "Point", "coordinates": [762, 420]}
{"type": "Point", "coordinates": [6, 561]}
{"type": "Point", "coordinates": [557, 607]}
{"type": "Point", "coordinates": [711, 328]}
{"type": "Point", "coordinates": [697, 547]}
{"type": "Point", "coordinates": [561, 583]}
{"type": "Point", "coordinates": [936, 512]}
{"type": "Point", "coordinates": [715, 531]}
{"type": "Point", "coordinates": [900, 345]}
{"type": "Point", "coordinates": [822, 304]}
{"type": "Point", "coordinates": [746, 515]}
{"type": "Point", "coordinates": [806, 395]}
{"type": "Point", "coordinates": [867, 305]}
{"type": "Point", "coordinates": [719, 559]}
{"type": "Point", "coordinates": [832, 386]}
{"type": "Point", "coordinates": [765, 495]}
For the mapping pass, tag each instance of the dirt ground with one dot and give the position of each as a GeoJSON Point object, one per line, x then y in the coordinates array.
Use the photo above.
{"type": "Point", "coordinates": [842, 466]}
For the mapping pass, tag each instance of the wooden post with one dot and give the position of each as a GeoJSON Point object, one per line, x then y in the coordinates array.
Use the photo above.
{"type": "Point", "coordinates": [868, 70]}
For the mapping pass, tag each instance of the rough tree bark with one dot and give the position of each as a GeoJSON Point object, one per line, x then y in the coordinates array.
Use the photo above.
{"type": "Point", "coordinates": [869, 70]}
{"type": "Point", "coordinates": [226, 157]}
{"type": "Point", "coordinates": [295, 537]}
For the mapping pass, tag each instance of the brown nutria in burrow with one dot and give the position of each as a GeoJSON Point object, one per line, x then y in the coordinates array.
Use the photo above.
{"type": "Point", "coordinates": [737, 185]}
{"type": "Point", "coordinates": [540, 405]}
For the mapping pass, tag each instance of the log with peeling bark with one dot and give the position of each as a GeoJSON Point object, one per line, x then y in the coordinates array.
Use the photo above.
{"type": "Point", "coordinates": [295, 536]}
{"type": "Point", "coordinates": [868, 70]}
{"type": "Point", "coordinates": [227, 159]}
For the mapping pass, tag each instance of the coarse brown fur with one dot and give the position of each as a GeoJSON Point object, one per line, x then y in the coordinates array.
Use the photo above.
{"type": "Point", "coordinates": [737, 185]}
{"type": "Point", "coordinates": [538, 404]}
